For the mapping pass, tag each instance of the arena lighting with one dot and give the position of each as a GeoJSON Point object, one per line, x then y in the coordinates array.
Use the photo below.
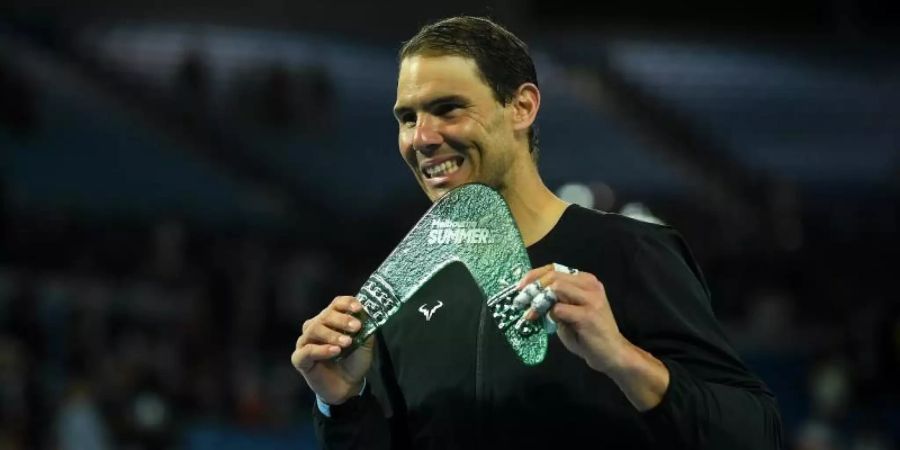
{"type": "Point", "coordinates": [604, 196]}
{"type": "Point", "coordinates": [150, 412]}
{"type": "Point", "coordinates": [576, 193]}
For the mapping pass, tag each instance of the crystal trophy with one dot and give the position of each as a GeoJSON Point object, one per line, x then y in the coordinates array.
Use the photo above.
{"type": "Point", "coordinates": [471, 225]}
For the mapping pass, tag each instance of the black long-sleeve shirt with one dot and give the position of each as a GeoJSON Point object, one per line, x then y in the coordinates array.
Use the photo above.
{"type": "Point", "coordinates": [452, 380]}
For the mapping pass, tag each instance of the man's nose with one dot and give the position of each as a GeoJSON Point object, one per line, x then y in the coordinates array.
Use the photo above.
{"type": "Point", "coordinates": [426, 138]}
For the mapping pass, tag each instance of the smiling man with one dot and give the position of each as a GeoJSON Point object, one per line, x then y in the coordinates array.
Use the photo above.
{"type": "Point", "coordinates": [455, 129]}
{"type": "Point", "coordinates": [638, 361]}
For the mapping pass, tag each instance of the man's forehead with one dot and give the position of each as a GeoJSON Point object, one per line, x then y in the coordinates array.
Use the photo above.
{"type": "Point", "coordinates": [438, 76]}
{"type": "Point", "coordinates": [420, 61]}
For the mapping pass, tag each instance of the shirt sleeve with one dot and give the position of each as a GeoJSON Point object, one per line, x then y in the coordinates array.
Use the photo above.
{"type": "Point", "coordinates": [355, 424]}
{"type": "Point", "coordinates": [712, 401]}
{"type": "Point", "coordinates": [374, 420]}
{"type": "Point", "coordinates": [325, 408]}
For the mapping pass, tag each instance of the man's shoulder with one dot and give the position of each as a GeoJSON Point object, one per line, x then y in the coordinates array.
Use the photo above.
{"type": "Point", "coordinates": [616, 226]}
{"type": "Point", "coordinates": [637, 239]}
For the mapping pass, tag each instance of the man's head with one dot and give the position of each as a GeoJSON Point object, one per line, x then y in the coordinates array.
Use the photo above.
{"type": "Point", "coordinates": [502, 58]}
{"type": "Point", "coordinates": [466, 96]}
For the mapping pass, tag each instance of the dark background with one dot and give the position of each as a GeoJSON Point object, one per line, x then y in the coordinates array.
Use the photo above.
{"type": "Point", "coordinates": [182, 184]}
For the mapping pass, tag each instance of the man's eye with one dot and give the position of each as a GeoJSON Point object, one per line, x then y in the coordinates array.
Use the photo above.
{"type": "Point", "coordinates": [445, 108]}
{"type": "Point", "coordinates": [408, 119]}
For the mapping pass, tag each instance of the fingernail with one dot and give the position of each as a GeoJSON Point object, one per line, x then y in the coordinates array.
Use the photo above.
{"type": "Point", "coordinates": [344, 340]}
{"type": "Point", "coordinates": [354, 324]}
{"type": "Point", "coordinates": [528, 316]}
{"type": "Point", "coordinates": [522, 284]}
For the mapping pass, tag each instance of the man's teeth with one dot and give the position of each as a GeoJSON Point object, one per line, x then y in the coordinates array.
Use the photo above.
{"type": "Point", "coordinates": [443, 169]}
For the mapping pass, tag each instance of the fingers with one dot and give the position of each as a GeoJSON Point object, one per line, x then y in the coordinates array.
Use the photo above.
{"type": "Point", "coordinates": [566, 314]}
{"type": "Point", "coordinates": [321, 334]}
{"type": "Point", "coordinates": [545, 275]}
{"type": "Point", "coordinates": [567, 292]}
{"type": "Point", "coordinates": [533, 275]}
{"type": "Point", "coordinates": [346, 304]}
{"type": "Point", "coordinates": [330, 327]}
{"type": "Point", "coordinates": [306, 356]}
{"type": "Point", "coordinates": [534, 283]}
{"type": "Point", "coordinates": [326, 334]}
{"type": "Point", "coordinates": [341, 322]}
{"type": "Point", "coordinates": [524, 299]}
{"type": "Point", "coordinates": [553, 284]}
{"type": "Point", "coordinates": [554, 294]}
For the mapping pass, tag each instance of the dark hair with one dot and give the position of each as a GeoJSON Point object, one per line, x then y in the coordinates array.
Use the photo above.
{"type": "Point", "coordinates": [502, 58]}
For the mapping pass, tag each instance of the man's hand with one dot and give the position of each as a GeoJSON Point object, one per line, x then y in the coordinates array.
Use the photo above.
{"type": "Point", "coordinates": [586, 324]}
{"type": "Point", "coordinates": [587, 328]}
{"type": "Point", "coordinates": [323, 338]}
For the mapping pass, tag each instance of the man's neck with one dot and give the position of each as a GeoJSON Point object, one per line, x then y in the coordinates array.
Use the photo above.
{"type": "Point", "coordinates": [534, 207]}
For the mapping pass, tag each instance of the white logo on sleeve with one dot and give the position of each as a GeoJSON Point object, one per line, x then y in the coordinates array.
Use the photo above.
{"type": "Point", "coordinates": [429, 312]}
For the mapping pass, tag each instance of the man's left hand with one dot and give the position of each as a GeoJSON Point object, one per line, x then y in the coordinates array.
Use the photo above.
{"type": "Point", "coordinates": [586, 323]}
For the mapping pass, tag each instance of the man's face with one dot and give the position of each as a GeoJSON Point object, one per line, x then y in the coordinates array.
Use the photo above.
{"type": "Point", "coordinates": [452, 129]}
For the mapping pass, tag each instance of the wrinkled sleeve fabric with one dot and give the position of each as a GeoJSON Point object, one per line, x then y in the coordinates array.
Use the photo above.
{"type": "Point", "coordinates": [712, 401]}
{"type": "Point", "coordinates": [355, 424]}
{"type": "Point", "coordinates": [374, 420]}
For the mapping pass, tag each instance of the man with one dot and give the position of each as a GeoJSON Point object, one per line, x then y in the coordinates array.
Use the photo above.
{"type": "Point", "coordinates": [638, 360]}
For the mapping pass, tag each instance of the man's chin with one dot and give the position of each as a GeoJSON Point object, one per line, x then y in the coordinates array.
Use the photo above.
{"type": "Point", "coordinates": [435, 193]}
{"type": "Point", "coordinates": [430, 192]}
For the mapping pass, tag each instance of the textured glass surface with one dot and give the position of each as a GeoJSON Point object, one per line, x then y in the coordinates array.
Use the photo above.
{"type": "Point", "coordinates": [470, 224]}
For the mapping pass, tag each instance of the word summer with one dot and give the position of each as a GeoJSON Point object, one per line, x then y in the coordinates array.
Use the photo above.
{"type": "Point", "coordinates": [460, 236]}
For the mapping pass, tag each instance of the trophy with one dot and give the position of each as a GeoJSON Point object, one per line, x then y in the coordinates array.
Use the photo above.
{"type": "Point", "coordinates": [469, 225]}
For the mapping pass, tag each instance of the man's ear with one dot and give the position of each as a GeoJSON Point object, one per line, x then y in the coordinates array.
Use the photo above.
{"type": "Point", "coordinates": [525, 105]}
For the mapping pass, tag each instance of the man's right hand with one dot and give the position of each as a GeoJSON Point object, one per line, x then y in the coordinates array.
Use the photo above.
{"type": "Point", "coordinates": [323, 338]}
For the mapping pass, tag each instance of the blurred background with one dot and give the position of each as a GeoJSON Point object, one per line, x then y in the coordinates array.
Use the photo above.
{"type": "Point", "coordinates": [183, 183]}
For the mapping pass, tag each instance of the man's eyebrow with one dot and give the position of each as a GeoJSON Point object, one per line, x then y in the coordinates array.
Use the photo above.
{"type": "Point", "coordinates": [400, 110]}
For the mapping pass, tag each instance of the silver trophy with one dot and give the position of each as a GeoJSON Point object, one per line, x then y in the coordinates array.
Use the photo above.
{"type": "Point", "coordinates": [471, 225]}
